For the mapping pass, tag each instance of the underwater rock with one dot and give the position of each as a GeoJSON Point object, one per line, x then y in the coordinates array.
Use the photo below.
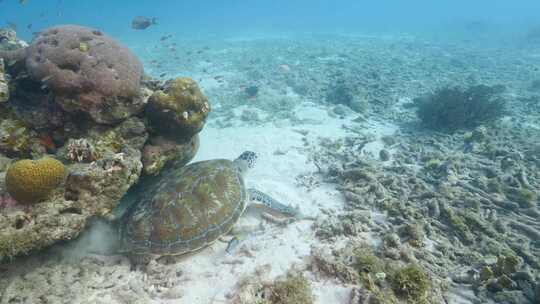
{"type": "Point", "coordinates": [4, 89]}
{"type": "Point", "coordinates": [97, 141]}
{"type": "Point", "coordinates": [9, 41]}
{"type": "Point", "coordinates": [161, 151]}
{"type": "Point", "coordinates": [104, 181]}
{"type": "Point", "coordinates": [103, 81]}
{"type": "Point", "coordinates": [16, 139]}
{"type": "Point", "coordinates": [179, 110]}
{"type": "Point", "coordinates": [91, 190]}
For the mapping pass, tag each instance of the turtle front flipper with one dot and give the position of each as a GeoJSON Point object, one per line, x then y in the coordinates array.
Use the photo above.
{"type": "Point", "coordinates": [273, 205]}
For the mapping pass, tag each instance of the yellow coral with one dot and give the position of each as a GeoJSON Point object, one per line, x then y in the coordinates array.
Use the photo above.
{"type": "Point", "coordinates": [29, 181]}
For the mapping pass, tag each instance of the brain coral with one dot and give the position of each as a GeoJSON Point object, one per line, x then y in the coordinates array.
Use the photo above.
{"type": "Point", "coordinates": [29, 181]}
{"type": "Point", "coordinates": [87, 71]}
{"type": "Point", "coordinates": [180, 110]}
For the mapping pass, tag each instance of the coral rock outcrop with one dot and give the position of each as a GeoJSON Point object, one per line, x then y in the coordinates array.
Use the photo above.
{"type": "Point", "coordinates": [178, 111]}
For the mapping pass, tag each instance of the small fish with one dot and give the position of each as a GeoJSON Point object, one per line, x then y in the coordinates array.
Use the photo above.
{"type": "Point", "coordinates": [141, 23]}
{"type": "Point", "coordinates": [162, 75]}
{"type": "Point", "coordinates": [29, 26]}
{"type": "Point", "coordinates": [23, 2]}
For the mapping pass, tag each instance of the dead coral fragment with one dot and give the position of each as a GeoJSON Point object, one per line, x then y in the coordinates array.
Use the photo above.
{"type": "Point", "coordinates": [180, 110]}
{"type": "Point", "coordinates": [29, 181]}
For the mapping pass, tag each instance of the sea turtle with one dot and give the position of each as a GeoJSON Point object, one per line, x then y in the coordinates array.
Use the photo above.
{"type": "Point", "coordinates": [191, 207]}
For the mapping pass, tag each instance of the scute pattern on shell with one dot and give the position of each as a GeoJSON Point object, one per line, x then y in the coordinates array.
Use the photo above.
{"type": "Point", "coordinates": [189, 209]}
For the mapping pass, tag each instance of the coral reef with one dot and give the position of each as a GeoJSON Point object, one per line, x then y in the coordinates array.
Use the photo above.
{"type": "Point", "coordinates": [73, 94]}
{"type": "Point", "coordinates": [452, 109]}
{"type": "Point", "coordinates": [179, 110]}
{"type": "Point", "coordinates": [29, 181]}
{"type": "Point", "coordinates": [91, 189]}
{"type": "Point", "coordinates": [103, 81]}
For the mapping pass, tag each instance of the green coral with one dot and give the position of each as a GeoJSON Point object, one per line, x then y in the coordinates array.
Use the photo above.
{"type": "Point", "coordinates": [294, 289]}
{"type": "Point", "coordinates": [432, 164]}
{"type": "Point", "coordinates": [367, 262]}
{"type": "Point", "coordinates": [458, 223]}
{"type": "Point", "coordinates": [507, 264]}
{"type": "Point", "coordinates": [411, 282]}
{"type": "Point", "coordinates": [523, 196]}
{"type": "Point", "coordinates": [180, 110]}
{"type": "Point", "coordinates": [29, 181]}
{"type": "Point", "coordinates": [486, 273]}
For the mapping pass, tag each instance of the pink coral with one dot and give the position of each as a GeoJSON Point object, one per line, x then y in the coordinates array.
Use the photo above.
{"type": "Point", "coordinates": [87, 71]}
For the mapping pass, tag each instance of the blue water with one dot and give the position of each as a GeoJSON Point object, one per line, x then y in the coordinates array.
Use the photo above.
{"type": "Point", "coordinates": [489, 42]}
{"type": "Point", "coordinates": [240, 17]}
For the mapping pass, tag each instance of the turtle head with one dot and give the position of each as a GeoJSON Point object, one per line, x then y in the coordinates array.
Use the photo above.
{"type": "Point", "coordinates": [246, 160]}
